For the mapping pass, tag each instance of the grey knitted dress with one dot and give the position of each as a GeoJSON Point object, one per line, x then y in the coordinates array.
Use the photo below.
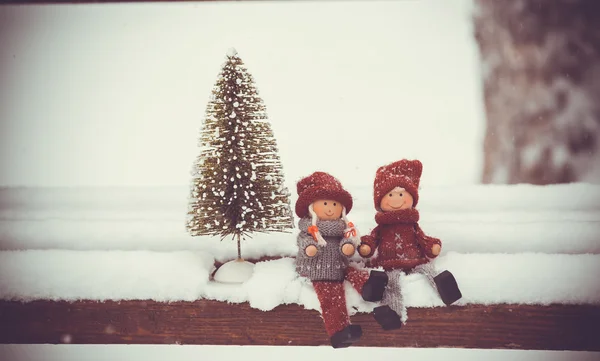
{"type": "Point", "coordinates": [329, 263]}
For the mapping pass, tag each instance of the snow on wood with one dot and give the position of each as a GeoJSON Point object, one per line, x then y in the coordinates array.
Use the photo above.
{"type": "Point", "coordinates": [547, 231]}
{"type": "Point", "coordinates": [512, 234]}
{"type": "Point", "coordinates": [100, 244]}
{"type": "Point", "coordinates": [173, 276]}
{"type": "Point", "coordinates": [236, 271]}
{"type": "Point", "coordinates": [103, 275]}
{"type": "Point", "coordinates": [490, 197]}
{"type": "Point", "coordinates": [150, 203]}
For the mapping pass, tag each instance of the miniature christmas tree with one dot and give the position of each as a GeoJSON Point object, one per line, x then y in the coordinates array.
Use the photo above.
{"type": "Point", "coordinates": [238, 185]}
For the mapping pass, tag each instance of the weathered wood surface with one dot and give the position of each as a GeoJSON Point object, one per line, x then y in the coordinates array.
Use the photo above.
{"type": "Point", "coordinates": [556, 327]}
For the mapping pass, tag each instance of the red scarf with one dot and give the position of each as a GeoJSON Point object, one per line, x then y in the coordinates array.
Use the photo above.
{"type": "Point", "coordinates": [409, 215]}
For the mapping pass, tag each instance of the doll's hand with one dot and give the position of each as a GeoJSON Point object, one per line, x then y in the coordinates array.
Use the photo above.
{"type": "Point", "coordinates": [348, 249]}
{"type": "Point", "coordinates": [310, 251]}
{"type": "Point", "coordinates": [435, 250]}
{"type": "Point", "coordinates": [364, 250]}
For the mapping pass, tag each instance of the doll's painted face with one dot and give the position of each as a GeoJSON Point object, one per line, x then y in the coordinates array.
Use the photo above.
{"type": "Point", "coordinates": [396, 199]}
{"type": "Point", "coordinates": [328, 209]}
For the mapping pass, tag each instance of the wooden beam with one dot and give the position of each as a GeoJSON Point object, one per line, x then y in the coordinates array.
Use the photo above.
{"type": "Point", "coordinates": [556, 327]}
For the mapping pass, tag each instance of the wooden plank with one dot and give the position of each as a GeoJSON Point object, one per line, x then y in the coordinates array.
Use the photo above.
{"type": "Point", "coordinates": [556, 327]}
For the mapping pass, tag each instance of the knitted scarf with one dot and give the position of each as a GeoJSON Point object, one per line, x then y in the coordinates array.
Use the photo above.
{"type": "Point", "coordinates": [327, 228]}
{"type": "Point", "coordinates": [409, 215]}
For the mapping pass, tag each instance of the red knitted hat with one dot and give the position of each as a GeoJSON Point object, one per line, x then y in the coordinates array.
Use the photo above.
{"type": "Point", "coordinates": [320, 185]}
{"type": "Point", "coordinates": [403, 173]}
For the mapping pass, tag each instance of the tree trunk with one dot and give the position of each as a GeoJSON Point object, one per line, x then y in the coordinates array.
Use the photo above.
{"type": "Point", "coordinates": [239, 248]}
{"type": "Point", "coordinates": [541, 73]}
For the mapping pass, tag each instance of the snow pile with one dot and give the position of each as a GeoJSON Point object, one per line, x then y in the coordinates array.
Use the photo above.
{"type": "Point", "coordinates": [156, 203]}
{"type": "Point", "coordinates": [103, 275]}
{"type": "Point", "coordinates": [236, 271]}
{"type": "Point", "coordinates": [519, 231]}
{"type": "Point", "coordinates": [174, 276]}
{"type": "Point", "coordinates": [504, 244]}
{"type": "Point", "coordinates": [495, 197]}
{"type": "Point", "coordinates": [490, 218]}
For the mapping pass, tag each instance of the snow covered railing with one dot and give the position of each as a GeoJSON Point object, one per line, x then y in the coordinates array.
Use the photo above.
{"type": "Point", "coordinates": [153, 297]}
{"type": "Point", "coordinates": [485, 279]}
{"type": "Point", "coordinates": [481, 219]}
{"type": "Point", "coordinates": [116, 266]}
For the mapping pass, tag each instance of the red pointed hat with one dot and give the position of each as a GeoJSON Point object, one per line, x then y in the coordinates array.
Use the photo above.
{"type": "Point", "coordinates": [403, 173]}
{"type": "Point", "coordinates": [320, 185]}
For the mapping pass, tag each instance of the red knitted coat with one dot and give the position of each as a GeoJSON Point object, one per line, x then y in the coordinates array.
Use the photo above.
{"type": "Point", "coordinates": [400, 241]}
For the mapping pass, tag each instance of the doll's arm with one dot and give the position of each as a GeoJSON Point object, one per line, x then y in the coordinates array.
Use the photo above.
{"type": "Point", "coordinates": [307, 246]}
{"type": "Point", "coordinates": [347, 247]}
{"type": "Point", "coordinates": [428, 243]}
{"type": "Point", "coordinates": [371, 240]}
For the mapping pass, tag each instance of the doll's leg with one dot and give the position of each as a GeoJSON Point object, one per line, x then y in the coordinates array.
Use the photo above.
{"type": "Point", "coordinates": [356, 277]}
{"type": "Point", "coordinates": [393, 294]}
{"type": "Point", "coordinates": [333, 305]}
{"type": "Point", "coordinates": [374, 287]}
{"type": "Point", "coordinates": [444, 283]}
{"type": "Point", "coordinates": [428, 270]}
{"type": "Point", "coordinates": [335, 314]}
{"type": "Point", "coordinates": [392, 313]}
{"type": "Point", "coordinates": [370, 285]}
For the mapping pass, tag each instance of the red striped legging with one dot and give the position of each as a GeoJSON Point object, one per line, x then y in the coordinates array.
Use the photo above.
{"type": "Point", "coordinates": [333, 299]}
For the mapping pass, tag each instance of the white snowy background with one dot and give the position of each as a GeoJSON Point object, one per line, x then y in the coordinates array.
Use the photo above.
{"type": "Point", "coordinates": [100, 108]}
{"type": "Point", "coordinates": [115, 94]}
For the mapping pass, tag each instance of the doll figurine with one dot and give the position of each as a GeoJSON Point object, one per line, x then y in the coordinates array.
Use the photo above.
{"type": "Point", "coordinates": [398, 244]}
{"type": "Point", "coordinates": [326, 242]}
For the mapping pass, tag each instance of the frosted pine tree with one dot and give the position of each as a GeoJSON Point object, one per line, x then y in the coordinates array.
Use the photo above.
{"type": "Point", "coordinates": [238, 185]}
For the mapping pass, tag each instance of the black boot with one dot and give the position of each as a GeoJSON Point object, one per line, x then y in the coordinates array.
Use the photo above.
{"type": "Point", "coordinates": [373, 289]}
{"type": "Point", "coordinates": [387, 318]}
{"type": "Point", "coordinates": [447, 287]}
{"type": "Point", "coordinates": [346, 337]}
